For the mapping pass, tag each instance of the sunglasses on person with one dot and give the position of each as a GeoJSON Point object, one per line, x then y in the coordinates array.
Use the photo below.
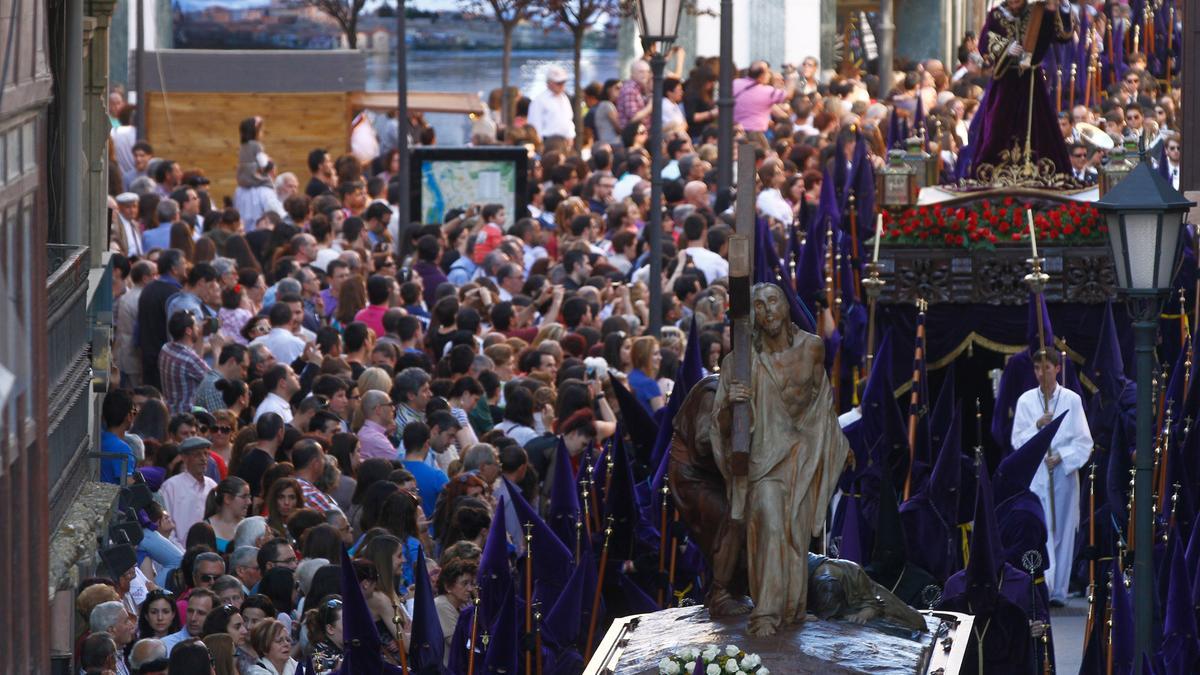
{"type": "Point", "coordinates": [208, 578]}
{"type": "Point", "coordinates": [223, 429]}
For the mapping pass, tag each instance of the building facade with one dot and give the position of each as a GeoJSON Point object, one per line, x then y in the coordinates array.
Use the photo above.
{"type": "Point", "coordinates": [53, 229]}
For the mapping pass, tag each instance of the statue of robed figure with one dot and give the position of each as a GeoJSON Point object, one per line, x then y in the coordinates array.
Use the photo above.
{"type": "Point", "coordinates": [1018, 121]}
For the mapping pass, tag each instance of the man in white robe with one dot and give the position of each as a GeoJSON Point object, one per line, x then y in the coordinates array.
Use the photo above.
{"type": "Point", "coordinates": [1056, 482]}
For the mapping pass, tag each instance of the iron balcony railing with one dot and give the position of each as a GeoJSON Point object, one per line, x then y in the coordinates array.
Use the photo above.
{"type": "Point", "coordinates": [68, 333]}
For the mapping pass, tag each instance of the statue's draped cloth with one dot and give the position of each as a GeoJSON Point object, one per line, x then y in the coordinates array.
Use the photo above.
{"type": "Point", "coordinates": [797, 451]}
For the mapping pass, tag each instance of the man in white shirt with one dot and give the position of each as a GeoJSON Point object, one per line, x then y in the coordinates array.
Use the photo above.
{"type": "Point", "coordinates": [673, 117]}
{"type": "Point", "coordinates": [695, 231]}
{"type": "Point", "coordinates": [127, 235]}
{"type": "Point", "coordinates": [185, 493]}
{"type": "Point", "coordinates": [550, 112]}
{"type": "Point", "coordinates": [281, 384]}
{"type": "Point", "coordinates": [1056, 482]}
{"type": "Point", "coordinates": [282, 342]}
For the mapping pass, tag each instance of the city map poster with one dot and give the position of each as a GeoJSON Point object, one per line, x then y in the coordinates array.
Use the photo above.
{"type": "Point", "coordinates": [444, 179]}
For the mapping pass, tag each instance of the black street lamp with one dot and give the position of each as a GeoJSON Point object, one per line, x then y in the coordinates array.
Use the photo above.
{"type": "Point", "coordinates": [659, 23]}
{"type": "Point", "coordinates": [1144, 215]}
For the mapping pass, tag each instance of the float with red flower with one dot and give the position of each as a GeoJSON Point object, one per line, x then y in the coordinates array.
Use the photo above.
{"type": "Point", "coordinates": [991, 223]}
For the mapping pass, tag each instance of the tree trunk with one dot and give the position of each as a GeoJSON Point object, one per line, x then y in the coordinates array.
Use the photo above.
{"type": "Point", "coordinates": [505, 66]}
{"type": "Point", "coordinates": [577, 102]}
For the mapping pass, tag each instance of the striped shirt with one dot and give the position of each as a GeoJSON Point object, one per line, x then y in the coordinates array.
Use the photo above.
{"type": "Point", "coordinates": [314, 498]}
{"type": "Point", "coordinates": [181, 371]}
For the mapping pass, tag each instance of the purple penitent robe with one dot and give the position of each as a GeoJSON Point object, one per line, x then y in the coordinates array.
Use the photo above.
{"type": "Point", "coordinates": [1007, 111]}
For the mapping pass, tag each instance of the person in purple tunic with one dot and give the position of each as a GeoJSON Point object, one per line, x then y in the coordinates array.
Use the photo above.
{"type": "Point", "coordinates": [1006, 108]}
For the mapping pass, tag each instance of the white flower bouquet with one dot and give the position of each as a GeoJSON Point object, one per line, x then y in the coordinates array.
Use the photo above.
{"type": "Point", "coordinates": [712, 660]}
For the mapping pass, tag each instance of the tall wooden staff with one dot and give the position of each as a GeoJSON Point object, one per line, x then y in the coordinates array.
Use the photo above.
{"type": "Point", "coordinates": [662, 541]}
{"type": "Point", "coordinates": [834, 283]}
{"type": "Point", "coordinates": [1108, 652]}
{"type": "Point", "coordinates": [1058, 89]}
{"type": "Point", "coordinates": [591, 636]}
{"type": "Point", "coordinates": [474, 635]}
{"type": "Point", "coordinates": [1108, 44]}
{"type": "Point", "coordinates": [1163, 458]}
{"type": "Point", "coordinates": [741, 257]}
{"type": "Point", "coordinates": [1074, 73]}
{"type": "Point", "coordinates": [586, 483]}
{"type": "Point", "coordinates": [914, 401]}
{"type": "Point", "coordinates": [537, 617]}
{"type": "Point", "coordinates": [855, 273]}
{"type": "Point", "coordinates": [1091, 593]}
{"type": "Point", "coordinates": [1196, 294]}
{"type": "Point", "coordinates": [1170, 43]}
{"type": "Point", "coordinates": [1184, 327]}
{"type": "Point", "coordinates": [528, 591]}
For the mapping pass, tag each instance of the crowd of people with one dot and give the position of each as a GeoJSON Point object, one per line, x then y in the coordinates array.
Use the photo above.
{"type": "Point", "coordinates": [302, 372]}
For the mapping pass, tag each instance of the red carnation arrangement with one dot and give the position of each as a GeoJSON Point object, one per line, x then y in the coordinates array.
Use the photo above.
{"type": "Point", "coordinates": [986, 225]}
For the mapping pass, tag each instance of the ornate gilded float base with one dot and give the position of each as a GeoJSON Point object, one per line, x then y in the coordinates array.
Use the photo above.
{"type": "Point", "coordinates": [1016, 169]}
{"type": "Point", "coordinates": [635, 645]}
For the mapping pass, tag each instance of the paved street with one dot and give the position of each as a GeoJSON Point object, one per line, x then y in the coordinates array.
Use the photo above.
{"type": "Point", "coordinates": [1068, 623]}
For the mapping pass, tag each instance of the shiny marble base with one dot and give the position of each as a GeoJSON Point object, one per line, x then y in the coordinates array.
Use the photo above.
{"type": "Point", "coordinates": [634, 645]}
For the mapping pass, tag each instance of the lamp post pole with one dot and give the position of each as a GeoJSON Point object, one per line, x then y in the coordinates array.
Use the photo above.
{"type": "Point", "coordinates": [657, 63]}
{"type": "Point", "coordinates": [402, 203]}
{"type": "Point", "coordinates": [1144, 309]}
{"type": "Point", "coordinates": [887, 41]}
{"type": "Point", "coordinates": [725, 102]}
{"type": "Point", "coordinates": [139, 77]}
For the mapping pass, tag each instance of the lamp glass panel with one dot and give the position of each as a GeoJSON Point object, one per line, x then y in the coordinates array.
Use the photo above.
{"type": "Point", "coordinates": [1116, 242]}
{"type": "Point", "coordinates": [659, 18]}
{"type": "Point", "coordinates": [1172, 230]}
{"type": "Point", "coordinates": [1141, 233]}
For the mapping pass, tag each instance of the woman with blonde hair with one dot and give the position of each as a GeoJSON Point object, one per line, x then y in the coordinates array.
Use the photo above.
{"type": "Point", "coordinates": [549, 331]}
{"type": "Point", "coordinates": [646, 358]}
{"type": "Point", "coordinates": [566, 212]}
{"type": "Point", "coordinates": [374, 378]}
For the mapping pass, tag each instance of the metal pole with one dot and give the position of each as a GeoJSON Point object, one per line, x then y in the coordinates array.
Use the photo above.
{"type": "Point", "coordinates": [139, 81]}
{"type": "Point", "coordinates": [887, 39]}
{"type": "Point", "coordinates": [1144, 310]}
{"type": "Point", "coordinates": [657, 63]}
{"type": "Point", "coordinates": [72, 148]}
{"type": "Point", "coordinates": [403, 204]}
{"type": "Point", "coordinates": [725, 103]}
